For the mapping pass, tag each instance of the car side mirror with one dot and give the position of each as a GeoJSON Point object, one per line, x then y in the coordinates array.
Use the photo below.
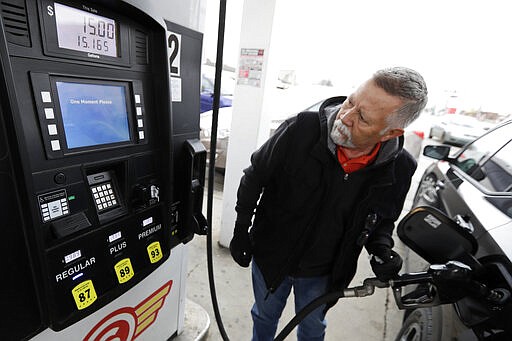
{"type": "Point", "coordinates": [439, 152]}
{"type": "Point", "coordinates": [437, 238]}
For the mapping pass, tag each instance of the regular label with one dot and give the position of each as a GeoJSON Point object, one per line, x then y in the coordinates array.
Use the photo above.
{"type": "Point", "coordinates": [124, 270]}
{"type": "Point", "coordinates": [154, 252]}
{"type": "Point", "coordinates": [84, 294]}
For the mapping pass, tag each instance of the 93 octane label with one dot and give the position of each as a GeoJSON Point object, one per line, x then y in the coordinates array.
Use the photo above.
{"type": "Point", "coordinates": [124, 270]}
{"type": "Point", "coordinates": [154, 252]}
{"type": "Point", "coordinates": [84, 294]}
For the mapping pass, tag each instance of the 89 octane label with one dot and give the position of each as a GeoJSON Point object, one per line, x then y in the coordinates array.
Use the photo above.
{"type": "Point", "coordinates": [154, 252]}
{"type": "Point", "coordinates": [84, 294]}
{"type": "Point", "coordinates": [124, 270]}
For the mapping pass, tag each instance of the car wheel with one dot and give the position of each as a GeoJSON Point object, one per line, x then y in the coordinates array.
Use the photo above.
{"type": "Point", "coordinates": [427, 192]}
{"type": "Point", "coordinates": [417, 326]}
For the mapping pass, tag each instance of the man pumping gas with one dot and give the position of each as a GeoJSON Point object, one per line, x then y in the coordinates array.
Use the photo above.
{"type": "Point", "coordinates": [324, 186]}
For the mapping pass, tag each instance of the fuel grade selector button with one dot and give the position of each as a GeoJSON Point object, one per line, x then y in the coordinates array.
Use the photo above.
{"type": "Point", "coordinates": [154, 252]}
{"type": "Point", "coordinates": [84, 294]}
{"type": "Point", "coordinates": [124, 270]}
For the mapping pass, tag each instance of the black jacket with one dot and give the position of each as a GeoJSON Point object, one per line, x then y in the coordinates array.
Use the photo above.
{"type": "Point", "coordinates": [294, 185]}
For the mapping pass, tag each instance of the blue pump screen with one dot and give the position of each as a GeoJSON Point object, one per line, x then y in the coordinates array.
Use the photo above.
{"type": "Point", "coordinates": [93, 114]}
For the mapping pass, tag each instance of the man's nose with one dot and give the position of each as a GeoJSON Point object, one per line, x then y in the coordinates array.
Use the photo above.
{"type": "Point", "coordinates": [347, 117]}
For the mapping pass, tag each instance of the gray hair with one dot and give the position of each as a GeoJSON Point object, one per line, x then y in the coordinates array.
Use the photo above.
{"type": "Point", "coordinates": [407, 84]}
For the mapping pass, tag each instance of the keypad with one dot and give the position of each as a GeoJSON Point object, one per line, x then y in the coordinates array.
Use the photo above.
{"type": "Point", "coordinates": [104, 196]}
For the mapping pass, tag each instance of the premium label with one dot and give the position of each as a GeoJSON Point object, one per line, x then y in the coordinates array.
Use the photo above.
{"type": "Point", "coordinates": [154, 252]}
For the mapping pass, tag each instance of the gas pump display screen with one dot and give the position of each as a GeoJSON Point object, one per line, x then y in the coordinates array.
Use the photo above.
{"type": "Point", "coordinates": [86, 32]}
{"type": "Point", "coordinates": [93, 114]}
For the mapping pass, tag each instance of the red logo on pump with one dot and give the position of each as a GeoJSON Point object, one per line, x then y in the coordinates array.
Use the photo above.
{"type": "Point", "coordinates": [127, 323]}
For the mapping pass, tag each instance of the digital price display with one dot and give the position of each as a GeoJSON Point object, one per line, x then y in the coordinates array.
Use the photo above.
{"type": "Point", "coordinates": [86, 32]}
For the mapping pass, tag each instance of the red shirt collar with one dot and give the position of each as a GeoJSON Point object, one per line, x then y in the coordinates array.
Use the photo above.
{"type": "Point", "coordinates": [351, 165]}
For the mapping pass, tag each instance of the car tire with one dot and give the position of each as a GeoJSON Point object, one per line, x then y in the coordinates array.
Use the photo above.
{"type": "Point", "coordinates": [426, 192]}
{"type": "Point", "coordinates": [418, 326]}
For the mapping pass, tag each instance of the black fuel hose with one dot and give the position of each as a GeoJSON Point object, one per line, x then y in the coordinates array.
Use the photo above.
{"type": "Point", "coordinates": [329, 297]}
{"type": "Point", "coordinates": [366, 289]}
{"type": "Point", "coordinates": [211, 168]}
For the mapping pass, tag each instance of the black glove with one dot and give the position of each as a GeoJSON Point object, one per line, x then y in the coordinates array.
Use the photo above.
{"type": "Point", "coordinates": [241, 247]}
{"type": "Point", "coordinates": [385, 263]}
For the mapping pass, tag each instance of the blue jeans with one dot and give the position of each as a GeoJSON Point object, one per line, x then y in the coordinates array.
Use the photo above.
{"type": "Point", "coordinates": [266, 312]}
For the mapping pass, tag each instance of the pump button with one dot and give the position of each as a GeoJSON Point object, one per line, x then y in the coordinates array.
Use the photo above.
{"type": "Point", "coordinates": [84, 294]}
{"type": "Point", "coordinates": [154, 252]}
{"type": "Point", "coordinates": [46, 96]}
{"type": "Point", "coordinates": [55, 145]}
{"type": "Point", "coordinates": [124, 270]}
{"type": "Point", "coordinates": [48, 113]}
{"type": "Point", "coordinates": [52, 129]}
{"type": "Point", "coordinates": [59, 178]}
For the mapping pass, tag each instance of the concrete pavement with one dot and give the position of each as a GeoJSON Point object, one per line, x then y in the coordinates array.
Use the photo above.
{"type": "Point", "coordinates": [374, 317]}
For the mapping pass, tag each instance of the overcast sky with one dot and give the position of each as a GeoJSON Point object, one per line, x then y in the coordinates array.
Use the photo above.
{"type": "Point", "coordinates": [458, 45]}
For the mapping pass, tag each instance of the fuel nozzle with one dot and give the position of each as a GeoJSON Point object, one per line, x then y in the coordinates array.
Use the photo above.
{"type": "Point", "coordinates": [451, 270]}
{"type": "Point", "coordinates": [367, 289]}
{"type": "Point", "coordinates": [146, 195]}
{"type": "Point", "coordinates": [155, 193]}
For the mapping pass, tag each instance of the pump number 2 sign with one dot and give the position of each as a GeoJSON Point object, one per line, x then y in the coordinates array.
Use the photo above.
{"type": "Point", "coordinates": [174, 52]}
{"type": "Point", "coordinates": [84, 294]}
{"type": "Point", "coordinates": [174, 46]}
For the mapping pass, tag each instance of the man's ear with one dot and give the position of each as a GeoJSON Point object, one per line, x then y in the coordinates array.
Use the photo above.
{"type": "Point", "coordinates": [392, 133]}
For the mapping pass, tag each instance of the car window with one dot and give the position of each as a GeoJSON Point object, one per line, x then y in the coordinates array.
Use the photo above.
{"type": "Point", "coordinates": [488, 160]}
{"type": "Point", "coordinates": [480, 150]}
{"type": "Point", "coordinates": [498, 170]}
{"type": "Point", "coordinates": [498, 178]}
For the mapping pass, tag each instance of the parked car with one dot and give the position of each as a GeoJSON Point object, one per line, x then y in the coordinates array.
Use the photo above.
{"type": "Point", "coordinates": [458, 129]}
{"type": "Point", "coordinates": [473, 187]}
{"type": "Point", "coordinates": [415, 134]}
{"type": "Point", "coordinates": [227, 86]}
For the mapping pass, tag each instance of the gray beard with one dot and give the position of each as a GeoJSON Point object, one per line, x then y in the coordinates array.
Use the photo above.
{"type": "Point", "coordinates": [344, 140]}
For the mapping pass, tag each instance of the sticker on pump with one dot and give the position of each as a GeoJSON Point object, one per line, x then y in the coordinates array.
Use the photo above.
{"type": "Point", "coordinates": [84, 294]}
{"type": "Point", "coordinates": [154, 252]}
{"type": "Point", "coordinates": [128, 323]}
{"type": "Point", "coordinates": [124, 270]}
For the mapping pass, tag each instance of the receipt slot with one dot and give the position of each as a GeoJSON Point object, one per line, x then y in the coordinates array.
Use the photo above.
{"type": "Point", "coordinates": [96, 199]}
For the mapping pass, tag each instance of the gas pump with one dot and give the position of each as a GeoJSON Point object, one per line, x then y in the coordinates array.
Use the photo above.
{"type": "Point", "coordinates": [101, 171]}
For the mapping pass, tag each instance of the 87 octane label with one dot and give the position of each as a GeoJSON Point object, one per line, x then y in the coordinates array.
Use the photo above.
{"type": "Point", "coordinates": [84, 294]}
